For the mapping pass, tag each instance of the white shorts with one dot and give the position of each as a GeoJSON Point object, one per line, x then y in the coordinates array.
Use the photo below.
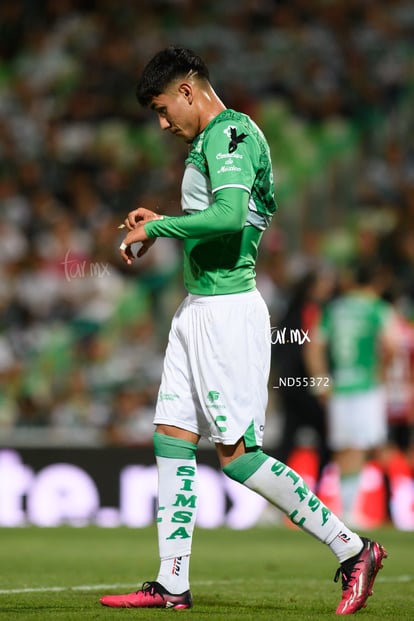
{"type": "Point", "coordinates": [216, 368]}
{"type": "Point", "coordinates": [357, 420]}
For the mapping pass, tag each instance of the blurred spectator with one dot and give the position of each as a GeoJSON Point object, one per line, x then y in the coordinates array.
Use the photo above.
{"type": "Point", "coordinates": [132, 416]}
{"type": "Point", "coordinates": [399, 383]}
{"type": "Point", "coordinates": [328, 82]}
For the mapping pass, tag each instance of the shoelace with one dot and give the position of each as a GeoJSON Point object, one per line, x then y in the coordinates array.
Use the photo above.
{"type": "Point", "coordinates": [347, 575]}
{"type": "Point", "coordinates": [150, 588]}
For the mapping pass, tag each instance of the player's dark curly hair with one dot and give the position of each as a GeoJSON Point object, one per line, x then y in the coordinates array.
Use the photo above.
{"type": "Point", "coordinates": [165, 67]}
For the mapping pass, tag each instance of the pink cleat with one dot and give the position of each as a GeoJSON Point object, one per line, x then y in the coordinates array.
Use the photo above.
{"type": "Point", "coordinates": [358, 576]}
{"type": "Point", "coordinates": [152, 595]}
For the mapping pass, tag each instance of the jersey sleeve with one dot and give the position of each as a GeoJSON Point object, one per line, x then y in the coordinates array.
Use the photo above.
{"type": "Point", "coordinates": [229, 155]}
{"type": "Point", "coordinates": [232, 154]}
{"type": "Point", "coordinates": [226, 215]}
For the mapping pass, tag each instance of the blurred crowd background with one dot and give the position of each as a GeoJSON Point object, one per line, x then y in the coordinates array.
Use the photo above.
{"type": "Point", "coordinates": [331, 84]}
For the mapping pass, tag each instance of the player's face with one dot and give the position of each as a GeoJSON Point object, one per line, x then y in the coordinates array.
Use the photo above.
{"type": "Point", "coordinates": [176, 114]}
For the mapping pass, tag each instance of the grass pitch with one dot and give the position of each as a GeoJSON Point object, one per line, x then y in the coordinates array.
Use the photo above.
{"type": "Point", "coordinates": [263, 574]}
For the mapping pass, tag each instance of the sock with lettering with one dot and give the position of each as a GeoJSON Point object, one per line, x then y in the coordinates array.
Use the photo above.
{"type": "Point", "coordinates": [285, 488]}
{"type": "Point", "coordinates": [177, 505]}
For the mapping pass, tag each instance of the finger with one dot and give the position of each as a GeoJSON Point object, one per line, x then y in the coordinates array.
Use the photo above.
{"type": "Point", "coordinates": [126, 253]}
{"type": "Point", "coordinates": [130, 255]}
{"type": "Point", "coordinates": [146, 245]}
{"type": "Point", "coordinates": [129, 223]}
{"type": "Point", "coordinates": [139, 215]}
{"type": "Point", "coordinates": [132, 219]}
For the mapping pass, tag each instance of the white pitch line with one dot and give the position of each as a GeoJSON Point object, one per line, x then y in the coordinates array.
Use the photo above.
{"type": "Point", "coordinates": [103, 587]}
{"type": "Point", "coordinates": [98, 587]}
{"type": "Point", "coordinates": [83, 587]}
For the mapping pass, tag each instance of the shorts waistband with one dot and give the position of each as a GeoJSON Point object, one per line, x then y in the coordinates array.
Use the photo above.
{"type": "Point", "coordinates": [220, 299]}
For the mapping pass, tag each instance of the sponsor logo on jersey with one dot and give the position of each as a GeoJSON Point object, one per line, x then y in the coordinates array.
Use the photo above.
{"type": "Point", "coordinates": [235, 139]}
{"type": "Point", "coordinates": [225, 156]}
{"type": "Point", "coordinates": [224, 169]}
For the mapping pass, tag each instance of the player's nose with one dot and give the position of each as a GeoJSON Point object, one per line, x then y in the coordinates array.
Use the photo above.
{"type": "Point", "coordinates": [164, 123]}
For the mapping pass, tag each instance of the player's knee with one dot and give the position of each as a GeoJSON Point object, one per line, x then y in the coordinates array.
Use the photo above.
{"type": "Point", "coordinates": [169, 446]}
{"type": "Point", "coordinates": [244, 466]}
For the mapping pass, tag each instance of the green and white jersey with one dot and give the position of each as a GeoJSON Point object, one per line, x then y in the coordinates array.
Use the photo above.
{"type": "Point", "coordinates": [352, 327]}
{"type": "Point", "coordinates": [228, 201]}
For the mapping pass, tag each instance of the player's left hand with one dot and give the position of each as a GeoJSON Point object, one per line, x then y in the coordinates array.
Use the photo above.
{"type": "Point", "coordinates": [138, 234]}
{"type": "Point", "coordinates": [139, 215]}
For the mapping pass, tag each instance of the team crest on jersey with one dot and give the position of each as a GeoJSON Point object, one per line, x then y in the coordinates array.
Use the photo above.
{"type": "Point", "coordinates": [235, 139]}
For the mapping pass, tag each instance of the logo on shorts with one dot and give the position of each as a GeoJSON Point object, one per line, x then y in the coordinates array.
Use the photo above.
{"type": "Point", "coordinates": [213, 395]}
{"type": "Point", "coordinates": [167, 396]}
{"type": "Point", "coordinates": [220, 423]}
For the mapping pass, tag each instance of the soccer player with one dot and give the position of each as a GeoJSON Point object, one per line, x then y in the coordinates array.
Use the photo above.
{"type": "Point", "coordinates": [355, 341]}
{"type": "Point", "coordinates": [216, 368]}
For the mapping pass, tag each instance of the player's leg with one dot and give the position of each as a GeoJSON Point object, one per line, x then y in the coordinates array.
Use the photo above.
{"type": "Point", "coordinates": [350, 462]}
{"type": "Point", "coordinates": [360, 558]}
{"type": "Point", "coordinates": [286, 489]}
{"type": "Point", "coordinates": [341, 412]}
{"type": "Point", "coordinates": [237, 410]}
{"type": "Point", "coordinates": [271, 478]}
{"type": "Point", "coordinates": [175, 444]}
{"type": "Point", "coordinates": [177, 505]}
{"type": "Point", "coordinates": [357, 424]}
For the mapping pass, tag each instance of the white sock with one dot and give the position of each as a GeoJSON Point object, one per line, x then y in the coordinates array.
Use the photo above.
{"type": "Point", "coordinates": [286, 489]}
{"type": "Point", "coordinates": [177, 504]}
{"type": "Point", "coordinates": [173, 574]}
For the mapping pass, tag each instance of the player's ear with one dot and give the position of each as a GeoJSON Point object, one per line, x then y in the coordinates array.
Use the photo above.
{"type": "Point", "coordinates": [186, 90]}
